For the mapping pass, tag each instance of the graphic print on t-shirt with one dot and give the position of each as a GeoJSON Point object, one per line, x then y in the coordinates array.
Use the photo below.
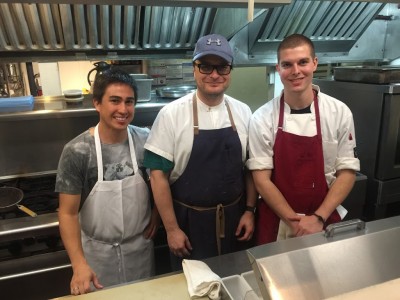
{"type": "Point", "coordinates": [117, 162]}
{"type": "Point", "coordinates": [117, 171]}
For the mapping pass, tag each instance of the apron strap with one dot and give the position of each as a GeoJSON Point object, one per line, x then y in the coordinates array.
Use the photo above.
{"type": "Point", "coordinates": [132, 151]}
{"type": "Point", "coordinates": [219, 218]}
{"type": "Point", "coordinates": [196, 118]}
{"type": "Point", "coordinates": [99, 155]}
{"type": "Point", "coordinates": [195, 115]}
{"type": "Point", "coordinates": [317, 118]}
{"type": "Point", "coordinates": [281, 111]}
{"type": "Point", "coordinates": [230, 115]}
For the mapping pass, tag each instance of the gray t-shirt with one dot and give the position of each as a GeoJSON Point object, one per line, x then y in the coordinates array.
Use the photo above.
{"type": "Point", "coordinates": [77, 168]}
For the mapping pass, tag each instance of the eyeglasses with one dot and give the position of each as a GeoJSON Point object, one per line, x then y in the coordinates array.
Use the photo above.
{"type": "Point", "coordinates": [208, 69]}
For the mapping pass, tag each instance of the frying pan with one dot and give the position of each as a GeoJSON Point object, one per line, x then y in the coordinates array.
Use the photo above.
{"type": "Point", "coordinates": [10, 197]}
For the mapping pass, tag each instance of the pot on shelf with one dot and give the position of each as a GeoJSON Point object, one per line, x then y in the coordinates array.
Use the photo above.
{"type": "Point", "coordinates": [175, 91]}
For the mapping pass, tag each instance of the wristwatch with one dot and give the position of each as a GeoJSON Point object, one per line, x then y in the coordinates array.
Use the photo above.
{"type": "Point", "coordinates": [320, 219]}
{"type": "Point", "coordinates": [251, 208]}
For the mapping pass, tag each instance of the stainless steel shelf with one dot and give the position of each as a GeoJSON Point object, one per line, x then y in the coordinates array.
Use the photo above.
{"type": "Point", "coordinates": [46, 107]}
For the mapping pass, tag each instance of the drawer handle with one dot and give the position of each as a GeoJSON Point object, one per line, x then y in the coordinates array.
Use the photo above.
{"type": "Point", "coordinates": [30, 273]}
{"type": "Point", "coordinates": [330, 229]}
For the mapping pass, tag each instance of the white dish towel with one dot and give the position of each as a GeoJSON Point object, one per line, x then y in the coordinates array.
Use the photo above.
{"type": "Point", "coordinates": [201, 280]}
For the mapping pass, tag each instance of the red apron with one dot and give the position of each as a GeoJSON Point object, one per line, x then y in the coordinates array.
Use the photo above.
{"type": "Point", "coordinates": [298, 174]}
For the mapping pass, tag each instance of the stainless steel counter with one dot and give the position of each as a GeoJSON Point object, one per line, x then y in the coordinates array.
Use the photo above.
{"type": "Point", "coordinates": [57, 265]}
{"type": "Point", "coordinates": [239, 262]}
{"type": "Point", "coordinates": [318, 267]}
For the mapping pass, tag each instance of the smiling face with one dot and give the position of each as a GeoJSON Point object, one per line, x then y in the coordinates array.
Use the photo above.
{"type": "Point", "coordinates": [116, 109]}
{"type": "Point", "coordinates": [296, 67]}
{"type": "Point", "coordinates": [211, 87]}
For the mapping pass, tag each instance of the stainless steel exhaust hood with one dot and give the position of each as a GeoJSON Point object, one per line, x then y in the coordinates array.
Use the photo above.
{"type": "Point", "coordinates": [172, 3]}
{"type": "Point", "coordinates": [334, 27]}
{"type": "Point", "coordinates": [122, 29]}
{"type": "Point", "coordinates": [79, 31]}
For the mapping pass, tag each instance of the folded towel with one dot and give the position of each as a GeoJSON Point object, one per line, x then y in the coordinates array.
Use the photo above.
{"type": "Point", "coordinates": [201, 280]}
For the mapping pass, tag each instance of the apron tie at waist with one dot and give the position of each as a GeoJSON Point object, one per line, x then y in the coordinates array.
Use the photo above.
{"type": "Point", "coordinates": [219, 217]}
{"type": "Point", "coordinates": [220, 226]}
{"type": "Point", "coordinates": [91, 238]}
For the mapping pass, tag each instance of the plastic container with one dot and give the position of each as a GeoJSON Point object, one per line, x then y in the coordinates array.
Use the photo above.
{"type": "Point", "coordinates": [73, 95]}
{"type": "Point", "coordinates": [15, 104]}
{"type": "Point", "coordinates": [143, 83]}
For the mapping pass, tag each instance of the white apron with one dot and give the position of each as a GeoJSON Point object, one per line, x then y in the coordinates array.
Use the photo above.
{"type": "Point", "coordinates": [112, 220]}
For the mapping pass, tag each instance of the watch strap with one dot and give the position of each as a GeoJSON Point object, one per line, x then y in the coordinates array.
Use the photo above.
{"type": "Point", "coordinates": [251, 209]}
{"type": "Point", "coordinates": [321, 219]}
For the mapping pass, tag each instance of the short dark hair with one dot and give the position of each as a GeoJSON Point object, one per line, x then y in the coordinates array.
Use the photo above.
{"type": "Point", "coordinates": [111, 76]}
{"type": "Point", "coordinates": [293, 41]}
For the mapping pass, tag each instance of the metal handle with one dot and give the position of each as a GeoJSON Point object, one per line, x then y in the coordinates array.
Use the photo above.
{"type": "Point", "coordinates": [35, 272]}
{"type": "Point", "coordinates": [330, 229]}
{"type": "Point", "coordinates": [27, 210]}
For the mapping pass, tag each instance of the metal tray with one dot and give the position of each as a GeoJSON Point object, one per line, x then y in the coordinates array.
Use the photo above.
{"type": "Point", "coordinates": [252, 282]}
{"type": "Point", "coordinates": [379, 75]}
{"type": "Point", "coordinates": [238, 288]}
{"type": "Point", "coordinates": [175, 91]}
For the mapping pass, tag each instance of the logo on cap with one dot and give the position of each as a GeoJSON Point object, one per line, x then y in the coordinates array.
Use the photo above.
{"type": "Point", "coordinates": [217, 41]}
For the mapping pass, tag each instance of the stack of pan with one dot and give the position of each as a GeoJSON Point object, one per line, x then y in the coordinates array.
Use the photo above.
{"type": "Point", "coordinates": [365, 74]}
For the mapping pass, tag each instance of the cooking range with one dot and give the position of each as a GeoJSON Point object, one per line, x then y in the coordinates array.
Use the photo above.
{"type": "Point", "coordinates": [31, 249]}
{"type": "Point", "coordinates": [39, 196]}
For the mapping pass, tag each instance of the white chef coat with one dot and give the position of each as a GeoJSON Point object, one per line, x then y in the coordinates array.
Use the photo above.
{"type": "Point", "coordinates": [337, 127]}
{"type": "Point", "coordinates": [171, 135]}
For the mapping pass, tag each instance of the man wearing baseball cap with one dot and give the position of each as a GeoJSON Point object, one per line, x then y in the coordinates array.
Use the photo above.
{"type": "Point", "coordinates": [196, 152]}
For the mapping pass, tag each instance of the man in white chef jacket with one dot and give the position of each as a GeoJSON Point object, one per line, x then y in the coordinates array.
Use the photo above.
{"type": "Point", "coordinates": [196, 151]}
{"type": "Point", "coordinates": [106, 222]}
{"type": "Point", "coordinates": [302, 150]}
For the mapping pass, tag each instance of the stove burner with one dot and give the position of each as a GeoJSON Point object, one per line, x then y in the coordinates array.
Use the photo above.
{"type": "Point", "coordinates": [30, 244]}
{"type": "Point", "coordinates": [39, 195]}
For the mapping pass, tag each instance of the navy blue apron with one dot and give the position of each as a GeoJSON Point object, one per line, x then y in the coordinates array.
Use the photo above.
{"type": "Point", "coordinates": [213, 179]}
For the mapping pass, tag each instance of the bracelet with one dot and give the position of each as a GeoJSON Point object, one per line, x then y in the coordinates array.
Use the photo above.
{"type": "Point", "coordinates": [321, 219]}
{"type": "Point", "coordinates": [250, 208]}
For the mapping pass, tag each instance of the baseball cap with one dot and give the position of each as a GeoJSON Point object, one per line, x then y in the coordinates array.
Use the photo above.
{"type": "Point", "coordinates": [213, 44]}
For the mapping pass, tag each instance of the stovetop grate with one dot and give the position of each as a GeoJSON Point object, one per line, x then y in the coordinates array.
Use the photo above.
{"type": "Point", "coordinates": [39, 195]}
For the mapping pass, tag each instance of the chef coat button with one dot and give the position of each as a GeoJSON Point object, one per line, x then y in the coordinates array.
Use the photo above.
{"type": "Point", "coordinates": [289, 119]}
